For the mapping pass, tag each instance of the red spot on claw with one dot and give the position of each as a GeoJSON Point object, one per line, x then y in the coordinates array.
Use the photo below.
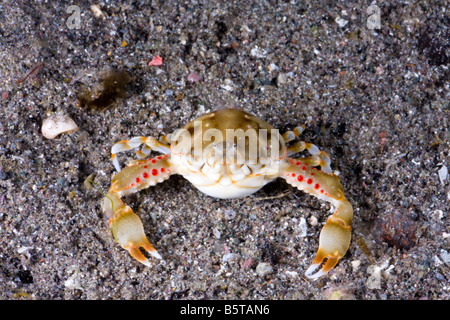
{"type": "Point", "coordinates": [304, 168]}
{"type": "Point", "coordinates": [300, 178]}
{"type": "Point", "coordinates": [293, 175]}
{"type": "Point", "coordinates": [153, 161]}
{"type": "Point", "coordinates": [158, 157]}
{"type": "Point", "coordinates": [162, 169]}
{"type": "Point", "coordinates": [138, 180]}
{"type": "Point", "coordinates": [145, 175]}
{"type": "Point", "coordinates": [316, 186]}
{"type": "Point", "coordinates": [154, 172]}
{"type": "Point", "coordinates": [321, 191]}
{"type": "Point", "coordinates": [309, 181]}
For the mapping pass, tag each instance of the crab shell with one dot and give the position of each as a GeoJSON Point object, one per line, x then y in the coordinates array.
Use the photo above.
{"type": "Point", "coordinates": [228, 153]}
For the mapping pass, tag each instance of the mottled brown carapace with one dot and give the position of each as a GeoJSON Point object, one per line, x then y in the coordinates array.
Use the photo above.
{"type": "Point", "coordinates": [231, 130]}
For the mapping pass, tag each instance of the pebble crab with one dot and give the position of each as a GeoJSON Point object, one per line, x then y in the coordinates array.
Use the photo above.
{"type": "Point", "coordinates": [228, 154]}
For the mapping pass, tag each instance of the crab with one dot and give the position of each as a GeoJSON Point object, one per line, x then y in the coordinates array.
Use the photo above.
{"type": "Point", "coordinates": [228, 154]}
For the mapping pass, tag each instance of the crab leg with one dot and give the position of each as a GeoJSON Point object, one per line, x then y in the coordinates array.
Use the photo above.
{"type": "Point", "coordinates": [291, 135]}
{"type": "Point", "coordinates": [126, 226]}
{"type": "Point", "coordinates": [335, 236]}
{"type": "Point", "coordinates": [321, 158]}
{"type": "Point", "coordinates": [149, 144]}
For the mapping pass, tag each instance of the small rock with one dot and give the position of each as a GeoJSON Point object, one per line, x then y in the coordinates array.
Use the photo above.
{"type": "Point", "coordinates": [228, 86]}
{"type": "Point", "coordinates": [263, 269]}
{"type": "Point", "coordinates": [193, 77]}
{"type": "Point", "coordinates": [273, 67]}
{"type": "Point", "coordinates": [443, 173]}
{"type": "Point", "coordinates": [374, 281]}
{"type": "Point", "coordinates": [341, 22]}
{"type": "Point", "coordinates": [437, 214]}
{"type": "Point", "coordinates": [334, 293]}
{"type": "Point", "coordinates": [25, 251]}
{"type": "Point", "coordinates": [217, 233]}
{"type": "Point", "coordinates": [355, 264]}
{"type": "Point", "coordinates": [281, 79]}
{"type": "Point", "coordinates": [229, 214]}
{"type": "Point", "coordinates": [293, 274]}
{"type": "Point", "coordinates": [73, 282]}
{"type": "Point", "coordinates": [303, 227]}
{"type": "Point", "coordinates": [313, 220]}
{"type": "Point", "coordinates": [445, 256]}
{"type": "Point", "coordinates": [379, 70]}
{"type": "Point", "coordinates": [98, 13]}
{"type": "Point", "coordinates": [247, 263]}
{"type": "Point", "coordinates": [258, 52]}
{"type": "Point", "coordinates": [3, 174]}
{"type": "Point", "coordinates": [227, 257]}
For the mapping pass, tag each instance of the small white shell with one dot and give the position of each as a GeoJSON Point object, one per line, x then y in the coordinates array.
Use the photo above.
{"type": "Point", "coordinates": [57, 124]}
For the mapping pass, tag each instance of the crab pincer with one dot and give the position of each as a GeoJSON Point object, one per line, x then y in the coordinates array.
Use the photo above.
{"type": "Point", "coordinates": [128, 231]}
{"type": "Point", "coordinates": [335, 236]}
{"type": "Point", "coordinates": [126, 226]}
{"type": "Point", "coordinates": [334, 240]}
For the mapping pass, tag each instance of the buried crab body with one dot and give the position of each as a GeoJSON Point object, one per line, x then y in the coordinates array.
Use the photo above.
{"type": "Point", "coordinates": [228, 154]}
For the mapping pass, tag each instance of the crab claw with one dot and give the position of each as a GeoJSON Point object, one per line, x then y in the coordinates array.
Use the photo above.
{"type": "Point", "coordinates": [128, 231]}
{"type": "Point", "coordinates": [334, 241]}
